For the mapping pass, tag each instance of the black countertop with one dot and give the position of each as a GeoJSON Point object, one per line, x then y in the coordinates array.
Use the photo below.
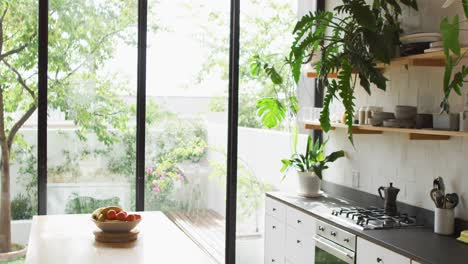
{"type": "Point", "coordinates": [420, 244]}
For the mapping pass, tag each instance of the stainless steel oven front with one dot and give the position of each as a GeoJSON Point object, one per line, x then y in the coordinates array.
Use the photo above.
{"type": "Point", "coordinates": [334, 245]}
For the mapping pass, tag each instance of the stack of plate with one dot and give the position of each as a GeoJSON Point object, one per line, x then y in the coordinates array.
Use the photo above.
{"type": "Point", "coordinates": [419, 42]}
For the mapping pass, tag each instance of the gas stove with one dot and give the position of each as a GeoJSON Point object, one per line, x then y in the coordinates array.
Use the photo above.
{"type": "Point", "coordinates": [374, 218]}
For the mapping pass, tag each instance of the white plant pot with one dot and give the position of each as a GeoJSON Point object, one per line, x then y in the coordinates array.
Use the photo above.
{"type": "Point", "coordinates": [309, 184]}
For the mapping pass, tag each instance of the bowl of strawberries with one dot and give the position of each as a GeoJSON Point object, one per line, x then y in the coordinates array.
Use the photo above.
{"type": "Point", "coordinates": [113, 219]}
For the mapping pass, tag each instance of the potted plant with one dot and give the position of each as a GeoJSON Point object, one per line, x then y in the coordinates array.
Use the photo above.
{"type": "Point", "coordinates": [349, 40]}
{"type": "Point", "coordinates": [310, 166]}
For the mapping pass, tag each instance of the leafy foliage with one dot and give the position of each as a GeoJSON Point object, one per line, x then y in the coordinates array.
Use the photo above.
{"type": "Point", "coordinates": [85, 205]}
{"type": "Point", "coordinates": [348, 40]}
{"type": "Point", "coordinates": [451, 43]}
{"type": "Point", "coordinates": [314, 159]}
{"type": "Point", "coordinates": [271, 111]}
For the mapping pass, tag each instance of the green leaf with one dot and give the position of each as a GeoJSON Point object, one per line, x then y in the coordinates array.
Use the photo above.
{"type": "Point", "coordinates": [295, 137]}
{"type": "Point", "coordinates": [255, 68]}
{"type": "Point", "coordinates": [465, 7]}
{"type": "Point", "coordinates": [286, 165]}
{"type": "Point", "coordinates": [273, 74]}
{"type": "Point", "coordinates": [450, 36]}
{"type": "Point", "coordinates": [271, 111]}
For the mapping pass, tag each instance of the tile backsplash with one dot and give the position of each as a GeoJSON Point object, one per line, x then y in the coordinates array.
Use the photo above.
{"type": "Point", "coordinates": [391, 157]}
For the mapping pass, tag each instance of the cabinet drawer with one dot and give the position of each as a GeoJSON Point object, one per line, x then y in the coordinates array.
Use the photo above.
{"type": "Point", "coordinates": [300, 247]}
{"type": "Point", "coordinates": [275, 209]}
{"type": "Point", "coordinates": [300, 221]}
{"type": "Point", "coordinates": [275, 236]}
{"type": "Point", "coordinates": [370, 253]}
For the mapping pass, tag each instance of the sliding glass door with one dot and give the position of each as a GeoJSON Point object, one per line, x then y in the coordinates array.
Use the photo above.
{"type": "Point", "coordinates": [92, 69]}
{"type": "Point", "coordinates": [186, 117]}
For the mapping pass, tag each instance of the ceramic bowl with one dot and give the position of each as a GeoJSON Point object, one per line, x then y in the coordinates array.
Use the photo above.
{"type": "Point", "coordinates": [392, 123]}
{"type": "Point", "coordinates": [405, 112]}
{"type": "Point", "coordinates": [115, 226]}
{"type": "Point", "coordinates": [383, 115]}
{"type": "Point", "coordinates": [375, 121]}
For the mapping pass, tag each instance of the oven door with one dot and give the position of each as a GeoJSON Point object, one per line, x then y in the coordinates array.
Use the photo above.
{"type": "Point", "coordinates": [328, 252]}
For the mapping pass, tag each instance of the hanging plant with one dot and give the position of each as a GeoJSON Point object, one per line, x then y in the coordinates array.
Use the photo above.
{"type": "Point", "coordinates": [453, 56]}
{"type": "Point", "coordinates": [349, 41]}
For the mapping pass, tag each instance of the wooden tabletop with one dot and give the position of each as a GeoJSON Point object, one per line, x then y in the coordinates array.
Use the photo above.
{"type": "Point", "coordinates": [69, 239]}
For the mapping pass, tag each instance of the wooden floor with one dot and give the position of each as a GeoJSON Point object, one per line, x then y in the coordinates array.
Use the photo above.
{"type": "Point", "coordinates": [205, 227]}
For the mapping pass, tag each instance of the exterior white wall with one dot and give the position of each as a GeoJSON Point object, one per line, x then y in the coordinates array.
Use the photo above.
{"type": "Point", "coordinates": [410, 165]}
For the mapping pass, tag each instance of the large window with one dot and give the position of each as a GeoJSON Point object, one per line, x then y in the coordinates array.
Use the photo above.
{"type": "Point", "coordinates": [91, 105]}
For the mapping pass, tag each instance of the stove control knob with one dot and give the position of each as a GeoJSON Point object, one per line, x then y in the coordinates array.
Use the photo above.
{"type": "Point", "coordinates": [346, 240]}
{"type": "Point", "coordinates": [333, 233]}
{"type": "Point", "coordinates": [321, 228]}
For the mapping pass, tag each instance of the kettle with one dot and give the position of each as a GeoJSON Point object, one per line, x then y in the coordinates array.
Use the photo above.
{"type": "Point", "coordinates": [390, 199]}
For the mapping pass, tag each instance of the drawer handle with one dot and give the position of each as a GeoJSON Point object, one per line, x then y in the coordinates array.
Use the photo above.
{"type": "Point", "coordinates": [379, 260]}
{"type": "Point", "coordinates": [298, 241]}
{"type": "Point", "coordinates": [299, 221]}
{"type": "Point", "coordinates": [272, 260]}
{"type": "Point", "coordinates": [274, 209]}
{"type": "Point", "coordinates": [333, 233]}
{"type": "Point", "coordinates": [274, 227]}
{"type": "Point", "coordinates": [346, 240]}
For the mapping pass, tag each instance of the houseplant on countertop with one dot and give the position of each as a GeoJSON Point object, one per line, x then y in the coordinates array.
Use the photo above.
{"type": "Point", "coordinates": [310, 166]}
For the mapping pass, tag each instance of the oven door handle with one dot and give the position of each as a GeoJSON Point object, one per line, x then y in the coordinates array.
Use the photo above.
{"type": "Point", "coordinates": [336, 250]}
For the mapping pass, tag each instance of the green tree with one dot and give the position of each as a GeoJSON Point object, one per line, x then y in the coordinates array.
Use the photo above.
{"type": "Point", "coordinates": [265, 40]}
{"type": "Point", "coordinates": [81, 38]}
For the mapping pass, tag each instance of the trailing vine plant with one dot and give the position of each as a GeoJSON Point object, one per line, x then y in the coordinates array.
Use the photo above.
{"type": "Point", "coordinates": [453, 56]}
{"type": "Point", "coordinates": [349, 40]}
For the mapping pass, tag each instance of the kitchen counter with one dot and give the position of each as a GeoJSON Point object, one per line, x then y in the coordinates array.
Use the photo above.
{"type": "Point", "coordinates": [419, 243]}
{"type": "Point", "coordinates": [63, 239]}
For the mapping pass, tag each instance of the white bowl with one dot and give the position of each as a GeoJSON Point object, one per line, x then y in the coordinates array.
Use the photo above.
{"type": "Point", "coordinates": [115, 226]}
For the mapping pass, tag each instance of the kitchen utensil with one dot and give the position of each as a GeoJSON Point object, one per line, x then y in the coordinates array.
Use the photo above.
{"type": "Point", "coordinates": [444, 221]}
{"type": "Point", "coordinates": [438, 197]}
{"type": "Point", "coordinates": [390, 205]}
{"type": "Point", "coordinates": [405, 112]}
{"type": "Point", "coordinates": [451, 200]}
{"type": "Point", "coordinates": [439, 184]}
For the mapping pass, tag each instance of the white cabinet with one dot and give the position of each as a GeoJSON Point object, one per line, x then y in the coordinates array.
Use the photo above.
{"type": "Point", "coordinates": [289, 234]}
{"type": "Point", "coordinates": [275, 231]}
{"type": "Point", "coordinates": [370, 253]}
{"type": "Point", "coordinates": [300, 243]}
{"type": "Point", "coordinates": [275, 236]}
{"type": "Point", "coordinates": [415, 262]}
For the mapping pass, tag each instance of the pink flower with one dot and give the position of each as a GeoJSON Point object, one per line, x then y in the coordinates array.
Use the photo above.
{"type": "Point", "coordinates": [163, 176]}
{"type": "Point", "coordinates": [155, 173]}
{"type": "Point", "coordinates": [156, 187]}
{"type": "Point", "coordinates": [149, 170]}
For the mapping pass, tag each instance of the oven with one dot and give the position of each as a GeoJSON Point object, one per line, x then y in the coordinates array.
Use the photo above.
{"type": "Point", "coordinates": [334, 245]}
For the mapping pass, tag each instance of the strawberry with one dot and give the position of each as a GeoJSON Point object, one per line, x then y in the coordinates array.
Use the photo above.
{"type": "Point", "coordinates": [130, 217]}
{"type": "Point", "coordinates": [122, 216]}
{"type": "Point", "coordinates": [111, 215]}
{"type": "Point", "coordinates": [137, 216]}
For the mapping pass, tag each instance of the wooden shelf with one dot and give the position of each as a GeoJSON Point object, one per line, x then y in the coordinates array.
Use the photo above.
{"type": "Point", "coordinates": [413, 134]}
{"type": "Point", "coordinates": [431, 59]}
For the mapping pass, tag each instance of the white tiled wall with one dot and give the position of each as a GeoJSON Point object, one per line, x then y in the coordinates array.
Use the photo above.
{"type": "Point", "coordinates": [410, 165]}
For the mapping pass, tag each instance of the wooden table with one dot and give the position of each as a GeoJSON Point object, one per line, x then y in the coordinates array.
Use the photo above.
{"type": "Point", "coordinates": [69, 239]}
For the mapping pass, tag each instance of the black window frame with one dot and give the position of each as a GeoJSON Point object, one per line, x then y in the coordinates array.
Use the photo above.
{"type": "Point", "coordinates": [233, 113]}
